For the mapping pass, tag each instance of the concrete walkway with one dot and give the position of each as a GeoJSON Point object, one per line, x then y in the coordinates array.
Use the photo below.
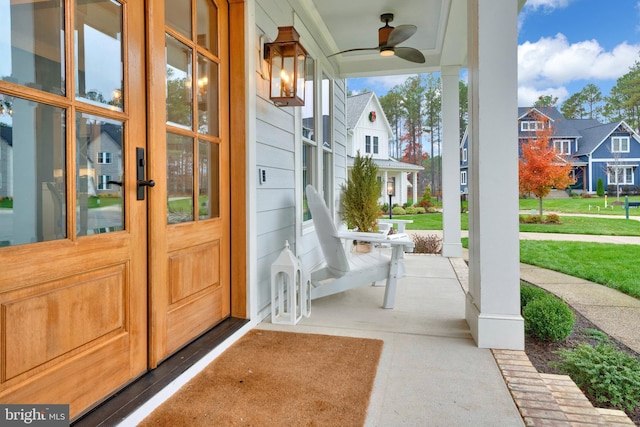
{"type": "Point", "coordinates": [612, 311]}
{"type": "Point", "coordinates": [615, 313]}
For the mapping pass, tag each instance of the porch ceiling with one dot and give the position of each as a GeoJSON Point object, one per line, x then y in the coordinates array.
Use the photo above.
{"type": "Point", "coordinates": [341, 25]}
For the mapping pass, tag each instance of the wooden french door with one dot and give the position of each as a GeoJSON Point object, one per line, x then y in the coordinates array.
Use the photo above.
{"type": "Point", "coordinates": [73, 236]}
{"type": "Point", "coordinates": [189, 160]}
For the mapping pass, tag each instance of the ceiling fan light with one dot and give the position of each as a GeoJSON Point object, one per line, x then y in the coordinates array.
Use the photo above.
{"type": "Point", "coordinates": [386, 51]}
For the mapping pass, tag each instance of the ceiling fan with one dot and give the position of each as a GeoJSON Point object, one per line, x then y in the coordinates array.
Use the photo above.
{"type": "Point", "coordinates": [388, 39]}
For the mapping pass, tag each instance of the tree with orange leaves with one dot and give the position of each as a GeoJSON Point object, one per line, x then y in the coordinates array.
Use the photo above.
{"type": "Point", "coordinates": [540, 167]}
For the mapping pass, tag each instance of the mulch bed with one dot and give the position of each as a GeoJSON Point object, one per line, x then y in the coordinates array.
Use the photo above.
{"type": "Point", "coordinates": [541, 353]}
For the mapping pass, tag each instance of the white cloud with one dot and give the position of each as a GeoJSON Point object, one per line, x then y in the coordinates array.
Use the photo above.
{"type": "Point", "coordinates": [527, 95]}
{"type": "Point", "coordinates": [385, 83]}
{"type": "Point", "coordinates": [546, 5]}
{"type": "Point", "coordinates": [554, 63]}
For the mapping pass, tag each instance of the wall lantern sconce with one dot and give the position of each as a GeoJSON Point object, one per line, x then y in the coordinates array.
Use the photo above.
{"type": "Point", "coordinates": [287, 64]}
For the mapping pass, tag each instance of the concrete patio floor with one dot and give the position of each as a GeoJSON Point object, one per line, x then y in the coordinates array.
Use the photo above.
{"type": "Point", "coordinates": [431, 373]}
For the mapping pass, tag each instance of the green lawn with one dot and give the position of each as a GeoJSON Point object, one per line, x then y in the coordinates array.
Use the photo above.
{"type": "Point", "coordinates": [569, 225]}
{"type": "Point", "coordinates": [615, 266]}
{"type": "Point", "coordinates": [580, 205]}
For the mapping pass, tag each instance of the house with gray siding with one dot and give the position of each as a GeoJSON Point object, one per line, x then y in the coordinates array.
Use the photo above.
{"type": "Point", "coordinates": [597, 151]}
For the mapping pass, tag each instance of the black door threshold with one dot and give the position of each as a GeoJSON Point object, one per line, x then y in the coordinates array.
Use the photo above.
{"type": "Point", "coordinates": [124, 402]}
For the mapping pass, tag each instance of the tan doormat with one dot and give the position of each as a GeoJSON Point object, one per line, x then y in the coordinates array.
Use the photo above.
{"type": "Point", "coordinates": [270, 378]}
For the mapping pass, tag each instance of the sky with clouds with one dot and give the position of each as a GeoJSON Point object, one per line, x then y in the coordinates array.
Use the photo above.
{"type": "Point", "coordinates": [563, 45]}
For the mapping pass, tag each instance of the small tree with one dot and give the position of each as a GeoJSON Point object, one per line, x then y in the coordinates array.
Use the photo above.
{"type": "Point", "coordinates": [541, 168]}
{"type": "Point", "coordinates": [600, 188]}
{"type": "Point", "coordinates": [359, 205]}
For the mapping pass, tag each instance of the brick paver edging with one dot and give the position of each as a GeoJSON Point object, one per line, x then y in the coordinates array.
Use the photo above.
{"type": "Point", "coordinates": [551, 400]}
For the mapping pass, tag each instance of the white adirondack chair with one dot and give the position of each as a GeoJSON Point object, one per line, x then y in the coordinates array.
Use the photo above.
{"type": "Point", "coordinates": [342, 272]}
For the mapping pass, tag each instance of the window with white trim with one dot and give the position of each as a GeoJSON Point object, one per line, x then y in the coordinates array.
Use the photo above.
{"type": "Point", "coordinates": [104, 158]}
{"type": "Point", "coordinates": [326, 100]}
{"type": "Point", "coordinates": [562, 146]}
{"type": "Point", "coordinates": [620, 175]}
{"type": "Point", "coordinates": [619, 144]}
{"type": "Point", "coordinates": [375, 145]}
{"type": "Point", "coordinates": [309, 143]}
{"type": "Point", "coordinates": [531, 125]}
{"type": "Point", "coordinates": [367, 144]}
{"type": "Point", "coordinates": [463, 177]}
{"type": "Point", "coordinates": [103, 182]}
{"type": "Point", "coordinates": [463, 155]}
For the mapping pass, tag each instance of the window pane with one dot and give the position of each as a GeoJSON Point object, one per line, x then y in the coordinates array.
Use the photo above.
{"type": "Point", "coordinates": [179, 179]}
{"type": "Point", "coordinates": [99, 185]}
{"type": "Point", "coordinates": [177, 15]}
{"type": "Point", "coordinates": [208, 180]}
{"type": "Point", "coordinates": [179, 75]}
{"type": "Point", "coordinates": [207, 26]}
{"type": "Point", "coordinates": [327, 177]}
{"type": "Point", "coordinates": [326, 112]}
{"type": "Point", "coordinates": [32, 172]}
{"type": "Point", "coordinates": [31, 44]}
{"type": "Point", "coordinates": [207, 79]}
{"type": "Point", "coordinates": [99, 70]}
{"type": "Point", "coordinates": [308, 110]}
{"type": "Point", "coordinates": [307, 177]}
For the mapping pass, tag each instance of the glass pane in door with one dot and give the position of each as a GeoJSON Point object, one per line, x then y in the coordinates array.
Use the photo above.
{"type": "Point", "coordinates": [207, 79]}
{"type": "Point", "coordinates": [100, 201]}
{"type": "Point", "coordinates": [208, 180]}
{"type": "Point", "coordinates": [177, 15]}
{"type": "Point", "coordinates": [179, 178]}
{"type": "Point", "coordinates": [32, 172]}
{"type": "Point", "coordinates": [207, 25]}
{"type": "Point", "coordinates": [31, 49]}
{"type": "Point", "coordinates": [179, 83]}
{"type": "Point", "coordinates": [98, 52]}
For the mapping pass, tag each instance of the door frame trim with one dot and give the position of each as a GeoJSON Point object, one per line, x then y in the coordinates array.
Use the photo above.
{"type": "Point", "coordinates": [238, 155]}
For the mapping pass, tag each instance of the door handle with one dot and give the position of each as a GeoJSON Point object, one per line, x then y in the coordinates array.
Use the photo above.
{"type": "Point", "coordinates": [141, 182]}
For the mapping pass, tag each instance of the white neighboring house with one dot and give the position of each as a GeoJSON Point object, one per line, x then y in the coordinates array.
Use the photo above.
{"type": "Point", "coordinates": [368, 131]}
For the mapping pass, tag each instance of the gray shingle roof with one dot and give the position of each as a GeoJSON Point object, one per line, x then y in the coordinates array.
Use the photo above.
{"type": "Point", "coordinates": [593, 136]}
{"type": "Point", "coordinates": [355, 106]}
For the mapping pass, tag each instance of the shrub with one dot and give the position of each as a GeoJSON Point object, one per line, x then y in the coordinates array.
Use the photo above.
{"type": "Point", "coordinates": [430, 244]}
{"type": "Point", "coordinates": [398, 210]}
{"type": "Point", "coordinates": [586, 196]}
{"type": "Point", "coordinates": [385, 207]}
{"type": "Point", "coordinates": [600, 188]}
{"type": "Point", "coordinates": [531, 219]}
{"type": "Point", "coordinates": [598, 335]}
{"type": "Point", "coordinates": [529, 293]}
{"type": "Point", "coordinates": [431, 209]}
{"type": "Point", "coordinates": [359, 206]}
{"type": "Point", "coordinates": [425, 201]}
{"type": "Point", "coordinates": [548, 318]}
{"type": "Point", "coordinates": [552, 219]}
{"type": "Point", "coordinates": [421, 210]}
{"type": "Point", "coordinates": [609, 375]}
{"type": "Point", "coordinates": [411, 210]}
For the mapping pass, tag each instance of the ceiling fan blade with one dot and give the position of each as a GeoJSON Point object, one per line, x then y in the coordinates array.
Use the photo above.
{"type": "Point", "coordinates": [409, 54]}
{"type": "Point", "coordinates": [353, 50]}
{"type": "Point", "coordinates": [400, 34]}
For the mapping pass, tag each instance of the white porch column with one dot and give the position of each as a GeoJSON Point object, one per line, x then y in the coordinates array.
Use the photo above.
{"type": "Point", "coordinates": [451, 245]}
{"type": "Point", "coordinates": [384, 195]}
{"type": "Point", "coordinates": [493, 300]}
{"type": "Point", "coordinates": [414, 189]}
